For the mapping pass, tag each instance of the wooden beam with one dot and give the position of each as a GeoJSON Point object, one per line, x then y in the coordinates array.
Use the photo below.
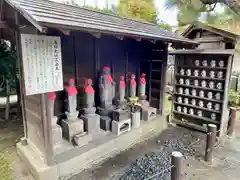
{"type": "Point", "coordinates": [96, 34]}
{"type": "Point", "coordinates": [65, 32]}
{"type": "Point", "coordinates": [153, 41]}
{"type": "Point", "coordinates": [120, 37]}
{"type": "Point", "coordinates": [6, 25]}
{"type": "Point", "coordinates": [3, 25]}
{"type": "Point", "coordinates": [138, 39]}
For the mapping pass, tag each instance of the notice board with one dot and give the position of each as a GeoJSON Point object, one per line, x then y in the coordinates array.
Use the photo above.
{"type": "Point", "coordinates": [42, 63]}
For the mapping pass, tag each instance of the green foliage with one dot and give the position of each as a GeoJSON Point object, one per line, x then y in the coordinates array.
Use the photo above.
{"type": "Point", "coordinates": [107, 11]}
{"type": "Point", "coordinates": [233, 98]}
{"type": "Point", "coordinates": [191, 10]}
{"type": "Point", "coordinates": [134, 9]}
{"type": "Point", "coordinates": [164, 25]}
{"type": "Point", "coordinates": [5, 168]}
{"type": "Point", "coordinates": [7, 66]}
{"type": "Point", "coordinates": [227, 17]}
{"type": "Point", "coordinates": [138, 9]}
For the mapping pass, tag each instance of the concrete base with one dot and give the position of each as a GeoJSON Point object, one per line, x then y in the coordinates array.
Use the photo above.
{"type": "Point", "coordinates": [93, 153]}
{"type": "Point", "coordinates": [149, 113]}
{"type": "Point", "coordinates": [72, 127]}
{"type": "Point", "coordinates": [105, 123]}
{"type": "Point", "coordinates": [37, 167]}
{"type": "Point", "coordinates": [136, 120]}
{"type": "Point", "coordinates": [120, 127]}
{"type": "Point", "coordinates": [92, 123]}
{"type": "Point", "coordinates": [57, 135]}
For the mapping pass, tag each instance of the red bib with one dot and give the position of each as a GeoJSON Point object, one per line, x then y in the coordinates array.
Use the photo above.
{"type": "Point", "coordinates": [71, 90]}
{"type": "Point", "coordinates": [122, 84]}
{"type": "Point", "coordinates": [133, 83]}
{"type": "Point", "coordinates": [89, 89]}
{"type": "Point", "coordinates": [142, 80]}
{"type": "Point", "coordinates": [109, 78]}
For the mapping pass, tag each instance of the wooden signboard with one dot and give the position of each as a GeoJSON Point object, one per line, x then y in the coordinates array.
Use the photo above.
{"type": "Point", "coordinates": [42, 63]}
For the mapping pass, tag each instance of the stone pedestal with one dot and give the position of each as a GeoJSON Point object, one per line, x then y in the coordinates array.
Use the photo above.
{"type": "Point", "coordinates": [92, 123]}
{"type": "Point", "coordinates": [121, 114]}
{"type": "Point", "coordinates": [72, 127]}
{"type": "Point", "coordinates": [144, 102]}
{"type": "Point", "coordinates": [105, 123]}
{"type": "Point", "coordinates": [106, 116]}
{"type": "Point", "coordinates": [82, 139]}
{"type": "Point", "coordinates": [149, 113]}
{"type": "Point", "coordinates": [136, 120]}
{"type": "Point", "coordinates": [120, 127]}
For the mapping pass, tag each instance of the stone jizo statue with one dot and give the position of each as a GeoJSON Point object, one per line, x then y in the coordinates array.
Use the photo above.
{"type": "Point", "coordinates": [89, 97]}
{"type": "Point", "coordinates": [122, 86]}
{"type": "Point", "coordinates": [142, 88]}
{"type": "Point", "coordinates": [107, 88]}
{"type": "Point", "coordinates": [52, 97]}
{"type": "Point", "coordinates": [72, 99]}
{"type": "Point", "coordinates": [133, 85]}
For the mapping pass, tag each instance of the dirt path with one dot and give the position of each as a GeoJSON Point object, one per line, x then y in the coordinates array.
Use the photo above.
{"type": "Point", "coordinates": [10, 133]}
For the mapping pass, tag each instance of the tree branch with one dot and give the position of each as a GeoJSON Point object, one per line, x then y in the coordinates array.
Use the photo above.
{"type": "Point", "coordinates": [212, 7]}
{"type": "Point", "coordinates": [233, 4]}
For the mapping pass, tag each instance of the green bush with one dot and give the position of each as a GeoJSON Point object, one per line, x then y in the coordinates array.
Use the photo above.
{"type": "Point", "coordinates": [233, 98]}
{"type": "Point", "coordinates": [7, 67]}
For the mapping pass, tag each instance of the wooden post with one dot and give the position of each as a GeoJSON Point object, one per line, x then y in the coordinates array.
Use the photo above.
{"type": "Point", "coordinates": [150, 83]}
{"type": "Point", "coordinates": [177, 166]}
{"type": "Point", "coordinates": [7, 100]}
{"type": "Point", "coordinates": [47, 131]}
{"type": "Point", "coordinates": [21, 76]}
{"type": "Point", "coordinates": [232, 120]}
{"type": "Point", "coordinates": [163, 79]}
{"type": "Point", "coordinates": [211, 139]}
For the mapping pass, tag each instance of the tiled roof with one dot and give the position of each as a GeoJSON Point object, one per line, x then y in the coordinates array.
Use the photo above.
{"type": "Point", "coordinates": [234, 31]}
{"type": "Point", "coordinates": [44, 13]}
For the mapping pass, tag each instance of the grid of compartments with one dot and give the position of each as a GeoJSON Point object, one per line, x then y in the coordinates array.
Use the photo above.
{"type": "Point", "coordinates": [199, 91]}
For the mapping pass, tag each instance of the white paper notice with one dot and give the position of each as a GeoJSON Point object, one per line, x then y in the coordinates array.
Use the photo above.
{"type": "Point", "coordinates": [42, 63]}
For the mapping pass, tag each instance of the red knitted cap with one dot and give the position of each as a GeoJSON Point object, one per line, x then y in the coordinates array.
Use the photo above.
{"type": "Point", "coordinates": [71, 80]}
{"type": "Point", "coordinates": [106, 68]}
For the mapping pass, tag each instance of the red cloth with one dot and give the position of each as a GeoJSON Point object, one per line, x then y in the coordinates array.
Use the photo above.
{"type": "Point", "coordinates": [89, 89]}
{"type": "Point", "coordinates": [132, 82]}
{"type": "Point", "coordinates": [122, 84]}
{"type": "Point", "coordinates": [142, 80]}
{"type": "Point", "coordinates": [106, 68]}
{"type": "Point", "coordinates": [52, 96]}
{"type": "Point", "coordinates": [71, 90]}
{"type": "Point", "coordinates": [109, 78]}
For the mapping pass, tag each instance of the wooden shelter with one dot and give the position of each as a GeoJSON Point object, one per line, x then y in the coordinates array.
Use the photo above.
{"type": "Point", "coordinates": [215, 37]}
{"type": "Point", "coordinates": [202, 78]}
{"type": "Point", "coordinates": [90, 40]}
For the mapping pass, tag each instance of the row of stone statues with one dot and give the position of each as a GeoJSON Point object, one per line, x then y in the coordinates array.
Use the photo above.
{"type": "Point", "coordinates": [116, 117]}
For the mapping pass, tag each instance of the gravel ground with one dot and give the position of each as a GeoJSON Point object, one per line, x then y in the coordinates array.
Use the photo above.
{"type": "Point", "coordinates": [156, 165]}
{"type": "Point", "coordinates": [150, 160]}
